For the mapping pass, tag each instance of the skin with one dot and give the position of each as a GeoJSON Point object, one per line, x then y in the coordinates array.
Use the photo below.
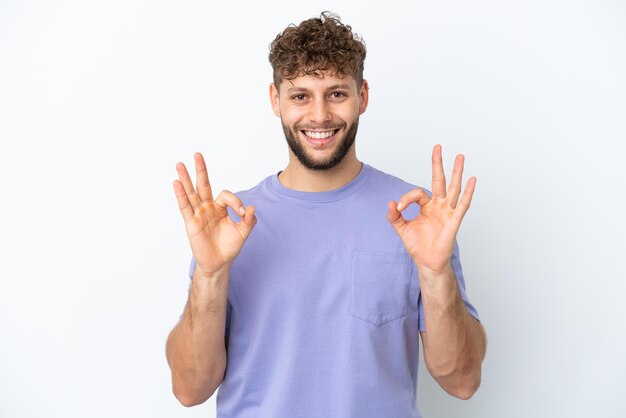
{"type": "Point", "coordinates": [316, 103]}
{"type": "Point", "coordinates": [196, 348]}
{"type": "Point", "coordinates": [454, 343]}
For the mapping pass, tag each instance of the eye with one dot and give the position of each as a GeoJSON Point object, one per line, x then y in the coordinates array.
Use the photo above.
{"type": "Point", "coordinates": [338, 94]}
{"type": "Point", "coordinates": [298, 97]}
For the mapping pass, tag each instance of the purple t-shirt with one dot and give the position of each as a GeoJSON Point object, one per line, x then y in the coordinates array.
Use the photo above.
{"type": "Point", "coordinates": [324, 306]}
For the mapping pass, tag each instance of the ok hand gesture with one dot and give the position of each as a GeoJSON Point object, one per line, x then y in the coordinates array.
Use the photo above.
{"type": "Point", "coordinates": [215, 239]}
{"type": "Point", "coordinates": [429, 238]}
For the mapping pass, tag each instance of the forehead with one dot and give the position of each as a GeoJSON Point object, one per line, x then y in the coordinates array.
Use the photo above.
{"type": "Point", "coordinates": [313, 82]}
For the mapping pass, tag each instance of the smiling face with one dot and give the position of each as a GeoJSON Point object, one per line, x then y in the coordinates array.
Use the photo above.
{"type": "Point", "coordinates": [320, 117]}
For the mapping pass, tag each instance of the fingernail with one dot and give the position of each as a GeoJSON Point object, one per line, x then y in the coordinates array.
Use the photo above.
{"type": "Point", "coordinates": [400, 205]}
{"type": "Point", "coordinates": [242, 211]}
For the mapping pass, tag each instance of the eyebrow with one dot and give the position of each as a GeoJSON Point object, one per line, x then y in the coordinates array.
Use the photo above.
{"type": "Point", "coordinates": [333, 87]}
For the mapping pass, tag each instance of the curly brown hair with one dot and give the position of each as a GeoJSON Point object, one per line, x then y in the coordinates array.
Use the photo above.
{"type": "Point", "coordinates": [315, 46]}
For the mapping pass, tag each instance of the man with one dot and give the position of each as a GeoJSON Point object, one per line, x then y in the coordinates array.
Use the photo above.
{"type": "Point", "coordinates": [308, 291]}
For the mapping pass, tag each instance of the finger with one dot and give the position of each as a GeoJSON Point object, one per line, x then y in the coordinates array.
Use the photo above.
{"type": "Point", "coordinates": [466, 199]}
{"type": "Point", "coordinates": [183, 175]}
{"type": "Point", "coordinates": [439, 178]}
{"type": "Point", "coordinates": [394, 216]}
{"type": "Point", "coordinates": [183, 202]}
{"type": "Point", "coordinates": [202, 179]}
{"type": "Point", "coordinates": [228, 199]}
{"type": "Point", "coordinates": [247, 221]}
{"type": "Point", "coordinates": [455, 182]}
{"type": "Point", "coordinates": [417, 195]}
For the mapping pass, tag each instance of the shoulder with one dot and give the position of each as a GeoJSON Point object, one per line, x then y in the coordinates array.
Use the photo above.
{"type": "Point", "coordinates": [260, 191]}
{"type": "Point", "coordinates": [379, 180]}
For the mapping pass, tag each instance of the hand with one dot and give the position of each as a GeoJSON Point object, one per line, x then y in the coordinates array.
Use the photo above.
{"type": "Point", "coordinates": [429, 238]}
{"type": "Point", "coordinates": [215, 239]}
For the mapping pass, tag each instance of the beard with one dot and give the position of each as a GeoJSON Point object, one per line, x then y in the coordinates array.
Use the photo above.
{"type": "Point", "coordinates": [338, 154]}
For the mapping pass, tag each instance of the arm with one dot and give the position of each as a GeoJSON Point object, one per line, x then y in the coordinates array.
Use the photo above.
{"type": "Point", "coordinates": [454, 342]}
{"type": "Point", "coordinates": [195, 348]}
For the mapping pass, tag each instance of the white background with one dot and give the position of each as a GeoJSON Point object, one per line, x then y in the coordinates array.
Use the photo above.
{"type": "Point", "coordinates": [99, 100]}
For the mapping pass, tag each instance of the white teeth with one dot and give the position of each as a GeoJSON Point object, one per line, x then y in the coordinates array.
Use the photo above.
{"type": "Point", "coordinates": [319, 135]}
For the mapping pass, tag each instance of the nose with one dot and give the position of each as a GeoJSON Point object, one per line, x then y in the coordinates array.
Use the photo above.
{"type": "Point", "coordinates": [319, 112]}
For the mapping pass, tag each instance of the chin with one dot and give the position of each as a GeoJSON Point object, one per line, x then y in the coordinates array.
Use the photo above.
{"type": "Point", "coordinates": [334, 143]}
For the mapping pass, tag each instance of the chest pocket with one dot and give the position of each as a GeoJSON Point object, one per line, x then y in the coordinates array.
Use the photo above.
{"type": "Point", "coordinates": [380, 286]}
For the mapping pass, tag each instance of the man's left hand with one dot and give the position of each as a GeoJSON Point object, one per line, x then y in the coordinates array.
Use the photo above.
{"type": "Point", "coordinates": [429, 238]}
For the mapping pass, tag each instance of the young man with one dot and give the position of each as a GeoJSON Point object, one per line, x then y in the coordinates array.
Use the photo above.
{"type": "Point", "coordinates": [309, 291]}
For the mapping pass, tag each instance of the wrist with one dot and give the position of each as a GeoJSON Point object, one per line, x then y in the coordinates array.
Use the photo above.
{"type": "Point", "coordinates": [428, 273]}
{"type": "Point", "coordinates": [216, 281]}
{"type": "Point", "coordinates": [208, 292]}
{"type": "Point", "coordinates": [440, 284]}
{"type": "Point", "coordinates": [211, 275]}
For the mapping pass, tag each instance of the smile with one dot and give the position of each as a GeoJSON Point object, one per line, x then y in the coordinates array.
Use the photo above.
{"type": "Point", "coordinates": [320, 139]}
{"type": "Point", "coordinates": [320, 134]}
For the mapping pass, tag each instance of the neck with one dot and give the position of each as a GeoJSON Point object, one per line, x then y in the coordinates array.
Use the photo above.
{"type": "Point", "coordinates": [297, 177]}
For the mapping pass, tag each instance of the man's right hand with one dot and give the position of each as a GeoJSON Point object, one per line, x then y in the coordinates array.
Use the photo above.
{"type": "Point", "coordinates": [215, 239]}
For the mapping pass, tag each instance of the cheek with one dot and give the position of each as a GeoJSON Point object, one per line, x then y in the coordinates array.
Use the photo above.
{"type": "Point", "coordinates": [291, 116]}
{"type": "Point", "coordinates": [350, 113]}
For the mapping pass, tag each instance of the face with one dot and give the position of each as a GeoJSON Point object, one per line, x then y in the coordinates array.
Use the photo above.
{"type": "Point", "coordinates": [320, 117]}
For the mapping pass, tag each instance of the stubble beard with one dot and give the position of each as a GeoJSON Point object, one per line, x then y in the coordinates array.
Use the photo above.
{"type": "Point", "coordinates": [341, 149]}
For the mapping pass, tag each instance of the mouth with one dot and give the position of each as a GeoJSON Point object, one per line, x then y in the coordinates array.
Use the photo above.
{"type": "Point", "coordinates": [320, 138]}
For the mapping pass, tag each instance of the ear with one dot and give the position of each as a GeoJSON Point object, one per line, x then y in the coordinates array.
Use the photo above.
{"type": "Point", "coordinates": [364, 97]}
{"type": "Point", "coordinates": [275, 99]}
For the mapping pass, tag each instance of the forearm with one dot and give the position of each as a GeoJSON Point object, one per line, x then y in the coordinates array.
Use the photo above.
{"type": "Point", "coordinates": [454, 341]}
{"type": "Point", "coordinates": [195, 348]}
